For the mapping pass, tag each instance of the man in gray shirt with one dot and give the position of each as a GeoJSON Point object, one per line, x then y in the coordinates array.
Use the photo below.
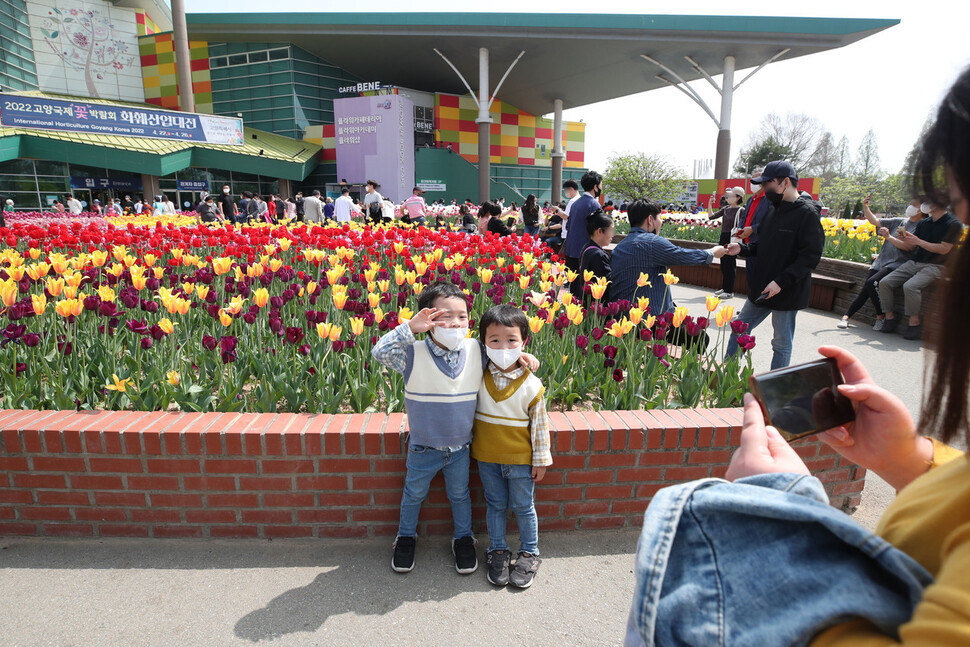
{"type": "Point", "coordinates": [313, 206]}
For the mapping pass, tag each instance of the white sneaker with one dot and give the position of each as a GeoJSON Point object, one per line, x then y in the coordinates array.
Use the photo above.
{"type": "Point", "coordinates": [879, 324]}
{"type": "Point", "coordinates": [719, 293]}
{"type": "Point", "coordinates": [843, 324]}
{"type": "Point", "coordinates": [726, 295]}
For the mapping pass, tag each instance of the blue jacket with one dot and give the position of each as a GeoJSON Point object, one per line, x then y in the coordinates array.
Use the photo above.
{"type": "Point", "coordinates": [576, 236]}
{"type": "Point", "coordinates": [762, 561]}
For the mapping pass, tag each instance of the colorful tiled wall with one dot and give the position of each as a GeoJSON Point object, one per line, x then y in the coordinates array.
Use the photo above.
{"type": "Point", "coordinates": [145, 24]}
{"type": "Point", "coordinates": [516, 136]}
{"type": "Point", "coordinates": [325, 136]}
{"type": "Point", "coordinates": [159, 75]}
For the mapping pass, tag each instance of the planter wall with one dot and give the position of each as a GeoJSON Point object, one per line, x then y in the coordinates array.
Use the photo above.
{"type": "Point", "coordinates": [155, 474]}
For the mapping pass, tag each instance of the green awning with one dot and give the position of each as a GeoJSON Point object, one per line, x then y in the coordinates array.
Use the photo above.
{"type": "Point", "coordinates": [262, 153]}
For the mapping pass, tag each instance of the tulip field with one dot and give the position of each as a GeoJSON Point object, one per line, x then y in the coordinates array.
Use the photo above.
{"type": "Point", "coordinates": [156, 314]}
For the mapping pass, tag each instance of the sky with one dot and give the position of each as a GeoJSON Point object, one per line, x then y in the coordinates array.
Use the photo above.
{"type": "Point", "coordinates": [890, 82]}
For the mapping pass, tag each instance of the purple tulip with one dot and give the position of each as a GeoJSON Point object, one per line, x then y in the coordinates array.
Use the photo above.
{"type": "Point", "coordinates": [659, 350]}
{"type": "Point", "coordinates": [137, 327]}
{"type": "Point", "coordinates": [227, 346]}
{"type": "Point", "coordinates": [609, 351]}
{"type": "Point", "coordinates": [209, 342]}
{"type": "Point", "coordinates": [156, 333]}
{"type": "Point", "coordinates": [31, 339]}
{"type": "Point", "coordinates": [146, 343]}
{"type": "Point", "coordinates": [739, 327]}
{"type": "Point", "coordinates": [109, 309]}
{"type": "Point", "coordinates": [746, 342]}
{"type": "Point", "coordinates": [294, 334]}
{"type": "Point", "coordinates": [582, 341]}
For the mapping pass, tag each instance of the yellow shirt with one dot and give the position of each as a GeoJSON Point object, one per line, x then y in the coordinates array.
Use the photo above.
{"type": "Point", "coordinates": [929, 521]}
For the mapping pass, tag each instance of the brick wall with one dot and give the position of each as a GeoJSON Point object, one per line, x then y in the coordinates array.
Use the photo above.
{"type": "Point", "coordinates": [155, 474]}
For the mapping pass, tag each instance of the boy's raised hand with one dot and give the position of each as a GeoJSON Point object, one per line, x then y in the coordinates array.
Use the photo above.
{"type": "Point", "coordinates": [424, 320]}
{"type": "Point", "coordinates": [529, 361]}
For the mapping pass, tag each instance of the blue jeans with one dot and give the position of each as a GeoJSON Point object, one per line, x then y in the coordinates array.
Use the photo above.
{"type": "Point", "coordinates": [510, 486]}
{"type": "Point", "coordinates": [532, 230]}
{"type": "Point", "coordinates": [423, 463]}
{"type": "Point", "coordinates": [783, 322]}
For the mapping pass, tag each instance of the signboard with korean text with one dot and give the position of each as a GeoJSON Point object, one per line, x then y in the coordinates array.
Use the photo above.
{"type": "Point", "coordinates": [126, 121]}
{"type": "Point", "coordinates": [431, 185]}
{"type": "Point", "coordinates": [123, 184]}
{"type": "Point", "coordinates": [193, 185]}
{"type": "Point", "coordinates": [375, 141]}
{"type": "Point", "coordinates": [688, 193]}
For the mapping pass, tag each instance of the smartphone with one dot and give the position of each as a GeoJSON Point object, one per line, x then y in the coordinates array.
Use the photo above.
{"type": "Point", "coordinates": [802, 400]}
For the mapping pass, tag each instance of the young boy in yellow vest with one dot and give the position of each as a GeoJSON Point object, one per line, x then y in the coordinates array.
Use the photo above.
{"type": "Point", "coordinates": [442, 379]}
{"type": "Point", "coordinates": [511, 444]}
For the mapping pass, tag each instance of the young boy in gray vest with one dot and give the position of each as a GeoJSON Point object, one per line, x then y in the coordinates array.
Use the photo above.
{"type": "Point", "coordinates": [442, 377]}
{"type": "Point", "coordinates": [511, 445]}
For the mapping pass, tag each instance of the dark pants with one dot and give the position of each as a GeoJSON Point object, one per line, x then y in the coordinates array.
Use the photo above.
{"type": "Point", "coordinates": [729, 265]}
{"type": "Point", "coordinates": [870, 290]}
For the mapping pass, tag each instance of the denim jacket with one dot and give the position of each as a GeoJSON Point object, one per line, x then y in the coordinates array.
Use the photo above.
{"type": "Point", "coordinates": [762, 561]}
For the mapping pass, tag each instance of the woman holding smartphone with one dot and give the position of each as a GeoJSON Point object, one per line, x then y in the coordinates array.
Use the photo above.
{"type": "Point", "coordinates": [730, 216]}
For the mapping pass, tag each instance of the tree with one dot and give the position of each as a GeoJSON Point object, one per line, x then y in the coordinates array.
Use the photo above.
{"type": "Point", "coordinates": [867, 158]}
{"type": "Point", "coordinates": [759, 154]}
{"type": "Point", "coordinates": [799, 133]}
{"type": "Point", "coordinates": [843, 159]}
{"type": "Point", "coordinates": [824, 159]}
{"type": "Point", "coordinates": [841, 191]}
{"type": "Point", "coordinates": [631, 176]}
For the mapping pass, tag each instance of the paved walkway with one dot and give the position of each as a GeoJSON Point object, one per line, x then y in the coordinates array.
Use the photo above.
{"type": "Point", "coordinates": [303, 592]}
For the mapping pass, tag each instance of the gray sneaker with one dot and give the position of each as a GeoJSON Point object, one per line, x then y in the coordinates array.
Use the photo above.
{"type": "Point", "coordinates": [524, 570]}
{"type": "Point", "coordinates": [498, 566]}
{"type": "Point", "coordinates": [879, 324]}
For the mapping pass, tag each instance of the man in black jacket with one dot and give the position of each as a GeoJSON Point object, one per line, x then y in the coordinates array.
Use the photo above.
{"type": "Point", "coordinates": [789, 247]}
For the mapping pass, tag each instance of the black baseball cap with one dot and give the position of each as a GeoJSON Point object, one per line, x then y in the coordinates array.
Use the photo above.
{"type": "Point", "coordinates": [774, 170]}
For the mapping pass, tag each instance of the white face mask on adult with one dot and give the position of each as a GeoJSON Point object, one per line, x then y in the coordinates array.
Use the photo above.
{"type": "Point", "coordinates": [450, 338]}
{"type": "Point", "coordinates": [911, 211]}
{"type": "Point", "coordinates": [225, 190]}
{"type": "Point", "coordinates": [504, 357]}
{"type": "Point", "coordinates": [926, 208]}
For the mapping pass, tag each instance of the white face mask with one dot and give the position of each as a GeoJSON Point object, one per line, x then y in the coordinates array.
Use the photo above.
{"type": "Point", "coordinates": [926, 207]}
{"type": "Point", "coordinates": [911, 211]}
{"type": "Point", "coordinates": [450, 338]}
{"type": "Point", "coordinates": [225, 190]}
{"type": "Point", "coordinates": [504, 357]}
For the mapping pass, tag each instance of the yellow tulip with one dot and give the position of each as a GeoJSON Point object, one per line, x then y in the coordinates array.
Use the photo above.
{"type": "Point", "coordinates": [39, 302]}
{"type": "Point", "coordinates": [559, 280]}
{"type": "Point", "coordinates": [173, 378]}
{"type": "Point", "coordinates": [149, 259]}
{"type": "Point", "coordinates": [636, 315]}
{"type": "Point", "coordinates": [225, 318]}
{"type": "Point", "coordinates": [572, 310]}
{"type": "Point", "coordinates": [236, 305]}
{"type": "Point", "coordinates": [254, 270]}
{"type": "Point", "coordinates": [119, 385]}
{"type": "Point", "coordinates": [588, 275]}
{"type": "Point", "coordinates": [405, 314]}
{"type": "Point", "coordinates": [221, 265]}
{"type": "Point", "coordinates": [106, 293]}
{"type": "Point", "coordinates": [166, 325]}
{"type": "Point", "coordinates": [69, 307]}
{"type": "Point", "coordinates": [670, 279]}
{"type": "Point", "coordinates": [370, 274]}
{"type": "Point", "coordinates": [373, 299]}
{"type": "Point", "coordinates": [528, 258]}
{"type": "Point", "coordinates": [571, 276]}
{"type": "Point", "coordinates": [58, 262]}
{"type": "Point", "coordinates": [598, 288]}
{"type": "Point", "coordinates": [421, 267]}
{"type": "Point", "coordinates": [129, 260]}
{"type": "Point", "coordinates": [449, 263]}
{"type": "Point", "coordinates": [524, 281]}
{"type": "Point", "coordinates": [357, 326]}
{"type": "Point", "coordinates": [485, 275]}
{"type": "Point", "coordinates": [550, 316]}
{"type": "Point", "coordinates": [334, 274]}
{"type": "Point", "coordinates": [37, 271]}
{"type": "Point", "coordinates": [339, 300]}
{"type": "Point", "coordinates": [261, 297]}
{"type": "Point", "coordinates": [643, 303]}
{"type": "Point", "coordinates": [188, 288]}
{"type": "Point", "coordinates": [566, 298]}
{"type": "Point", "coordinates": [70, 292]}
{"type": "Point", "coordinates": [177, 253]}
{"type": "Point", "coordinates": [643, 280]}
{"type": "Point", "coordinates": [159, 272]}
{"type": "Point", "coordinates": [34, 253]}
{"type": "Point", "coordinates": [202, 291]}
{"type": "Point", "coordinates": [8, 292]}
{"type": "Point", "coordinates": [578, 319]}
{"type": "Point", "coordinates": [712, 302]}
{"type": "Point", "coordinates": [418, 288]}
{"type": "Point", "coordinates": [680, 313]}
{"type": "Point", "coordinates": [724, 315]}
{"type": "Point", "coordinates": [119, 252]}
{"type": "Point", "coordinates": [55, 286]}
{"type": "Point", "coordinates": [311, 287]}
{"type": "Point", "coordinates": [15, 273]}
{"type": "Point", "coordinates": [539, 299]}
{"type": "Point", "coordinates": [649, 321]}
{"type": "Point", "coordinates": [459, 259]}
{"type": "Point", "coordinates": [378, 315]}
{"type": "Point", "coordinates": [411, 276]}
{"type": "Point", "coordinates": [285, 244]}
{"type": "Point", "coordinates": [275, 265]}
{"type": "Point", "coordinates": [536, 324]}
{"type": "Point", "coordinates": [116, 269]}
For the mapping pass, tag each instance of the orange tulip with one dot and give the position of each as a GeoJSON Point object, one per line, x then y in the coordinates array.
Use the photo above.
{"type": "Point", "coordinates": [221, 265]}
{"type": "Point", "coordinates": [261, 297]}
{"type": "Point", "coordinates": [643, 280]}
{"type": "Point", "coordinates": [8, 292]}
{"type": "Point", "coordinates": [711, 302]}
{"type": "Point", "coordinates": [357, 326]}
{"type": "Point", "coordinates": [670, 279]}
{"type": "Point", "coordinates": [68, 307]}
{"type": "Point", "coordinates": [680, 313]}
{"type": "Point", "coordinates": [55, 286]}
{"type": "Point", "coordinates": [225, 318]}
{"type": "Point", "coordinates": [536, 324]}
{"type": "Point", "coordinates": [39, 302]}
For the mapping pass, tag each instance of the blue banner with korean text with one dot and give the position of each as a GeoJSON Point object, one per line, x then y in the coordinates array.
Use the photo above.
{"type": "Point", "coordinates": [21, 111]}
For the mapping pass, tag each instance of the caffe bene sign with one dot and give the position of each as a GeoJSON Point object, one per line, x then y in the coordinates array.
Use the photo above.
{"type": "Point", "coordinates": [367, 86]}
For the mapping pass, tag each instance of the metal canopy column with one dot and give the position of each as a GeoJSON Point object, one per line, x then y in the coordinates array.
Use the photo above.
{"type": "Point", "coordinates": [557, 153]}
{"type": "Point", "coordinates": [183, 66]}
{"type": "Point", "coordinates": [484, 120]}
{"type": "Point", "coordinates": [726, 90]}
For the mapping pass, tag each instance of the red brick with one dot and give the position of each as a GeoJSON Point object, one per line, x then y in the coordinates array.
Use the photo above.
{"type": "Point", "coordinates": [52, 441]}
{"type": "Point", "coordinates": [612, 460]}
{"type": "Point", "coordinates": [579, 423]}
{"type": "Point", "coordinates": [384, 465]}
{"type": "Point", "coordinates": [614, 421]}
{"type": "Point", "coordinates": [586, 508]}
{"type": "Point", "coordinates": [156, 516]}
{"type": "Point", "coordinates": [687, 473]}
{"type": "Point", "coordinates": [262, 483]}
{"type": "Point", "coordinates": [344, 465]}
{"type": "Point", "coordinates": [39, 480]}
{"type": "Point", "coordinates": [96, 482]}
{"type": "Point", "coordinates": [321, 482]}
{"type": "Point", "coordinates": [173, 465]}
{"type": "Point", "coordinates": [698, 419]}
{"type": "Point", "coordinates": [559, 493]}
{"type": "Point", "coordinates": [592, 476]}
{"type": "Point", "coordinates": [210, 516]}
{"type": "Point", "coordinates": [352, 434]}
{"type": "Point", "coordinates": [718, 471]}
{"type": "Point", "coordinates": [806, 451]}
{"type": "Point", "coordinates": [57, 497]}
{"type": "Point", "coordinates": [561, 439]}
{"type": "Point", "coordinates": [321, 516]}
{"type": "Point", "coordinates": [820, 464]}
{"type": "Point", "coordinates": [58, 464]}
{"type": "Point", "coordinates": [68, 530]}
{"type": "Point", "coordinates": [153, 483]}
{"type": "Point", "coordinates": [601, 441]}
{"type": "Point", "coordinates": [177, 531]}
{"type": "Point", "coordinates": [713, 456]}
{"type": "Point", "coordinates": [547, 525]}
{"type": "Point", "coordinates": [648, 489]}
{"type": "Point", "coordinates": [393, 433]}
{"type": "Point", "coordinates": [552, 477]}
{"type": "Point", "coordinates": [15, 528]}
{"type": "Point", "coordinates": [106, 530]}
{"type": "Point", "coordinates": [128, 465]}
{"type": "Point", "coordinates": [640, 419]}
{"type": "Point", "coordinates": [132, 442]}
{"type": "Point", "coordinates": [543, 510]}
{"type": "Point", "coordinates": [153, 444]}
{"type": "Point", "coordinates": [392, 514]}
{"type": "Point", "coordinates": [637, 506]}
{"type": "Point", "coordinates": [350, 532]}
{"type": "Point", "coordinates": [16, 496]}
{"type": "Point", "coordinates": [289, 500]}
{"type": "Point", "coordinates": [128, 499]}
{"type": "Point", "coordinates": [288, 466]}
{"type": "Point", "coordinates": [347, 498]}
{"type": "Point", "coordinates": [851, 487]}
{"type": "Point", "coordinates": [238, 532]}
{"type": "Point", "coordinates": [112, 442]}
{"type": "Point", "coordinates": [608, 491]}
{"type": "Point", "coordinates": [230, 466]}
{"type": "Point", "coordinates": [13, 464]}
{"type": "Point", "coordinates": [267, 516]}
{"type": "Point", "coordinates": [45, 514]}
{"type": "Point", "coordinates": [176, 500]}
{"type": "Point", "coordinates": [100, 514]}
{"type": "Point", "coordinates": [661, 458]}
{"type": "Point", "coordinates": [273, 532]}
{"type": "Point", "coordinates": [54, 422]}
{"type": "Point", "coordinates": [209, 482]}
{"type": "Point", "coordinates": [639, 474]}
{"type": "Point", "coordinates": [11, 440]}
{"type": "Point", "coordinates": [378, 482]}
{"type": "Point", "coordinates": [602, 522]}
{"type": "Point", "coordinates": [833, 476]}
{"type": "Point", "coordinates": [234, 500]}
{"type": "Point", "coordinates": [618, 439]}
{"type": "Point", "coordinates": [8, 512]}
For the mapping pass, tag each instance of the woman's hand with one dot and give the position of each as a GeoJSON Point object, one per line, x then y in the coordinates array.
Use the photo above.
{"type": "Point", "coordinates": [883, 437]}
{"type": "Point", "coordinates": [762, 450]}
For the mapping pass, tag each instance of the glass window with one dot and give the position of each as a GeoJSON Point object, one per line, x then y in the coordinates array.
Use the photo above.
{"type": "Point", "coordinates": [53, 185]}
{"type": "Point", "coordinates": [279, 54]}
{"type": "Point", "coordinates": [219, 61]}
{"type": "Point", "coordinates": [237, 59]}
{"type": "Point", "coordinates": [17, 184]}
{"type": "Point", "coordinates": [17, 167]}
{"type": "Point", "coordinates": [258, 57]}
{"type": "Point", "coordinates": [25, 200]}
{"type": "Point", "coordinates": [47, 167]}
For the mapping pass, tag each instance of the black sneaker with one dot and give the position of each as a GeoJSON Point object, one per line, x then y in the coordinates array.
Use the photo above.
{"type": "Point", "coordinates": [890, 325]}
{"type": "Point", "coordinates": [498, 566]}
{"type": "Point", "coordinates": [403, 560]}
{"type": "Point", "coordinates": [912, 332]}
{"type": "Point", "coordinates": [466, 557]}
{"type": "Point", "coordinates": [524, 570]}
